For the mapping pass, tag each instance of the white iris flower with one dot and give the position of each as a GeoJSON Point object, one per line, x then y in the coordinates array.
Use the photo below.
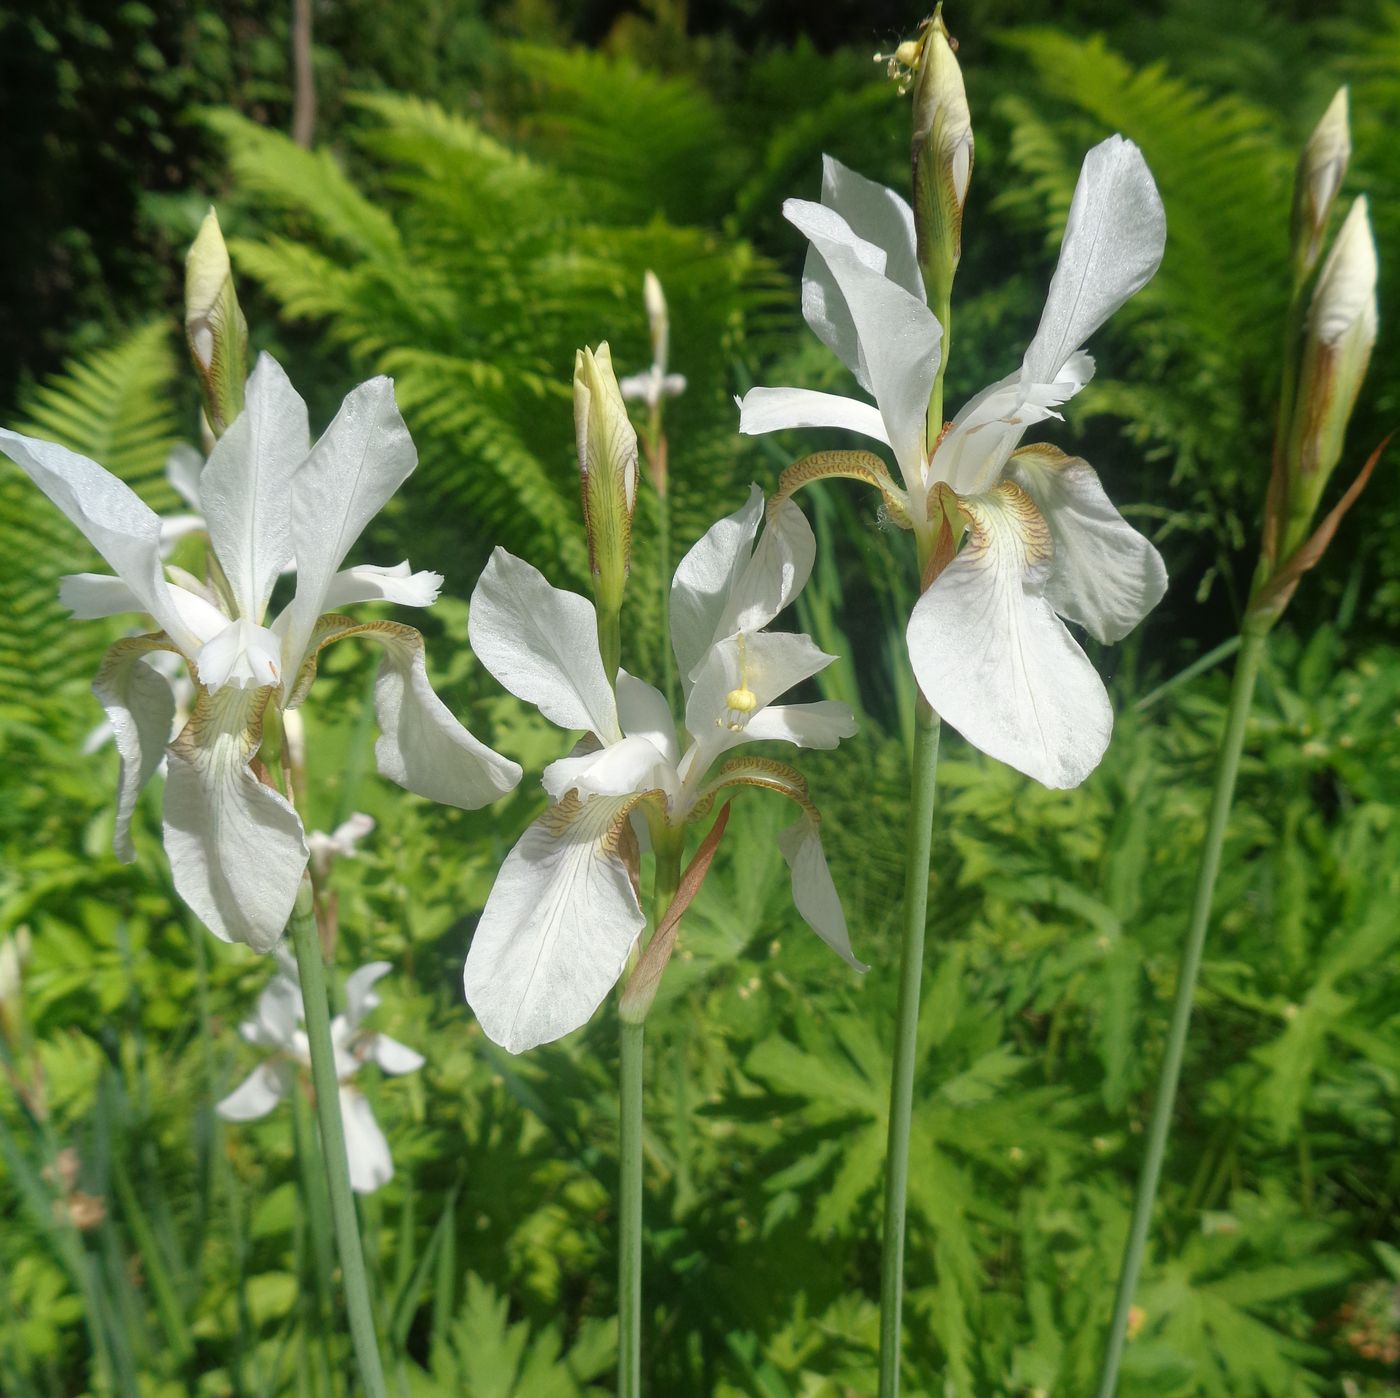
{"type": "Point", "coordinates": [236, 846]}
{"type": "Point", "coordinates": [277, 1025]}
{"type": "Point", "coordinates": [563, 915]}
{"type": "Point", "coordinates": [986, 641]}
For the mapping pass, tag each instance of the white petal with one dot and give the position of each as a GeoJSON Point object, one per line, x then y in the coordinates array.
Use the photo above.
{"type": "Point", "coordinates": [360, 995]}
{"type": "Point", "coordinates": [820, 725]}
{"type": "Point", "coordinates": [776, 572]}
{"type": "Point", "coordinates": [779, 409]}
{"type": "Point", "coordinates": [813, 890]}
{"type": "Point", "coordinates": [633, 765]}
{"type": "Point", "coordinates": [1113, 244]}
{"type": "Point", "coordinates": [996, 662]}
{"type": "Point", "coordinates": [370, 584]}
{"type": "Point", "coordinates": [115, 521]}
{"type": "Point", "coordinates": [255, 1096]}
{"type": "Point", "coordinates": [173, 528]}
{"type": "Point", "coordinates": [421, 745]}
{"type": "Point", "coordinates": [1104, 574]}
{"type": "Point", "coordinates": [877, 214]}
{"type": "Point", "coordinates": [245, 490]}
{"type": "Point", "coordinates": [990, 425]}
{"type": "Point", "coordinates": [766, 665]}
{"type": "Point", "coordinates": [243, 655]}
{"type": "Point", "coordinates": [279, 1012]}
{"type": "Point", "coordinates": [394, 1057]}
{"type": "Point", "coordinates": [89, 595]}
{"type": "Point", "coordinates": [643, 712]}
{"type": "Point", "coordinates": [183, 468]}
{"type": "Point", "coordinates": [705, 578]}
{"type": "Point", "coordinates": [356, 827]}
{"type": "Point", "coordinates": [557, 928]}
{"type": "Point", "coordinates": [823, 302]}
{"type": "Point", "coordinates": [725, 584]}
{"type": "Point", "coordinates": [360, 461]}
{"type": "Point", "coordinates": [541, 643]}
{"type": "Point", "coordinates": [897, 333]}
{"type": "Point", "coordinates": [371, 1165]}
{"type": "Point", "coordinates": [236, 848]}
{"type": "Point", "coordinates": [140, 709]}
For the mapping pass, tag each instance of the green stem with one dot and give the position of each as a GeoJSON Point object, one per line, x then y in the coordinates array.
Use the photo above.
{"type": "Point", "coordinates": [663, 554]}
{"type": "Point", "coordinates": [911, 967]}
{"type": "Point", "coordinates": [318, 1222]}
{"type": "Point", "coordinates": [610, 642]}
{"type": "Point", "coordinates": [323, 1075]}
{"type": "Point", "coordinates": [1228, 763]}
{"type": "Point", "coordinates": [629, 1268]}
{"type": "Point", "coordinates": [1197, 667]}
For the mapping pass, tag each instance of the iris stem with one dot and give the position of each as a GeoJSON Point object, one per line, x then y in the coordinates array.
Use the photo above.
{"type": "Point", "coordinates": [1227, 766]}
{"type": "Point", "coordinates": [629, 1267]}
{"type": "Point", "coordinates": [311, 973]}
{"type": "Point", "coordinates": [911, 967]}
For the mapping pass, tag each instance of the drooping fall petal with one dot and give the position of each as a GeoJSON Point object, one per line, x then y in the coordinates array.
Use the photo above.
{"type": "Point", "coordinates": [995, 661]}
{"type": "Point", "coordinates": [237, 850]}
{"type": "Point", "coordinates": [1103, 574]}
{"type": "Point", "coordinates": [140, 708]}
{"type": "Point", "coordinates": [559, 924]}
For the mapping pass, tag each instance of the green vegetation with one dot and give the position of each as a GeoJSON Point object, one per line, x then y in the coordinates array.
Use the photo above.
{"type": "Point", "coordinates": [477, 207]}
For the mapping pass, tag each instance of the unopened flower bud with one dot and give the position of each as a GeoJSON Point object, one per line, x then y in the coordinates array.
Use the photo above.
{"type": "Point", "coordinates": [214, 325]}
{"type": "Point", "coordinates": [607, 461]}
{"type": "Point", "coordinates": [1340, 333]}
{"type": "Point", "coordinates": [1321, 167]}
{"type": "Point", "coordinates": [942, 152]}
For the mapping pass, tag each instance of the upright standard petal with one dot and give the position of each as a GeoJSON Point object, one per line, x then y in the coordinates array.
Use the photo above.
{"type": "Point", "coordinates": [898, 336]}
{"type": "Point", "coordinates": [996, 662]}
{"type": "Point", "coordinates": [705, 578]}
{"type": "Point", "coordinates": [736, 682]}
{"type": "Point", "coordinates": [360, 461]}
{"type": "Point", "coordinates": [245, 489]}
{"type": "Point", "coordinates": [114, 520]}
{"type": "Point", "coordinates": [421, 745]}
{"type": "Point", "coordinates": [371, 1165]}
{"type": "Point", "coordinates": [541, 643]}
{"type": "Point", "coordinates": [255, 1096]}
{"type": "Point", "coordinates": [236, 847]}
{"type": "Point", "coordinates": [140, 708]}
{"type": "Point", "coordinates": [726, 584]}
{"type": "Point", "coordinates": [558, 926]}
{"type": "Point", "coordinates": [1113, 243]}
{"type": "Point", "coordinates": [874, 212]}
{"type": "Point", "coordinates": [360, 995]}
{"type": "Point", "coordinates": [1103, 574]}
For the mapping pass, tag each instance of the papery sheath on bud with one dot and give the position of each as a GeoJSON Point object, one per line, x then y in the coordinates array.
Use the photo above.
{"type": "Point", "coordinates": [941, 152]}
{"type": "Point", "coordinates": [1340, 333]}
{"type": "Point", "coordinates": [1321, 167]}
{"type": "Point", "coordinates": [607, 460]}
{"type": "Point", "coordinates": [214, 325]}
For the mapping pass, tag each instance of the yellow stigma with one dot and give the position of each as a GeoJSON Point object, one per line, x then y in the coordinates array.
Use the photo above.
{"type": "Point", "coordinates": [741, 702]}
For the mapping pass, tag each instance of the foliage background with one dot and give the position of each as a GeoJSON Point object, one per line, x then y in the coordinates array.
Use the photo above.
{"type": "Point", "coordinates": [489, 183]}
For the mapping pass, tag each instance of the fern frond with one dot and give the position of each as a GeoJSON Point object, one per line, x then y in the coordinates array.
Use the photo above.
{"type": "Point", "coordinates": [113, 405]}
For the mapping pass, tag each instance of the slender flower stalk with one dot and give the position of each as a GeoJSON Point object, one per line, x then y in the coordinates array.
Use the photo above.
{"type": "Point", "coordinates": [924, 779]}
{"type": "Point", "coordinates": [1011, 539]}
{"type": "Point", "coordinates": [1328, 340]}
{"type": "Point", "coordinates": [1227, 766]}
{"type": "Point", "coordinates": [307, 949]}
